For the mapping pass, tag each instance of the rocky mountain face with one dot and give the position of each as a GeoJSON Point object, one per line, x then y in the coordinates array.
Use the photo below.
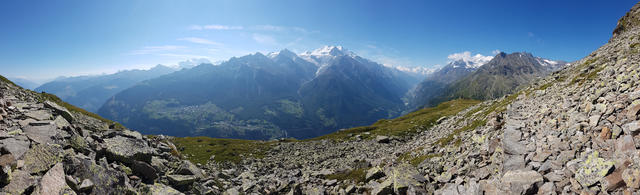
{"type": "Point", "coordinates": [47, 149]}
{"type": "Point", "coordinates": [90, 92]}
{"type": "Point", "coordinates": [427, 92]}
{"type": "Point", "coordinates": [500, 76]}
{"type": "Point", "coordinates": [351, 91]}
{"type": "Point", "coordinates": [264, 97]}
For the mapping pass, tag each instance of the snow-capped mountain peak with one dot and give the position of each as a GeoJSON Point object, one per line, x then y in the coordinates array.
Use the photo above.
{"type": "Point", "coordinates": [466, 60]}
{"type": "Point", "coordinates": [322, 56]}
{"type": "Point", "coordinates": [284, 52]}
{"type": "Point", "coordinates": [329, 51]}
{"type": "Point", "coordinates": [551, 64]}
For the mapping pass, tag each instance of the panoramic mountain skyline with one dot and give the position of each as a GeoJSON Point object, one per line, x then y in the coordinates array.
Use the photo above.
{"type": "Point", "coordinates": [88, 40]}
{"type": "Point", "coordinates": [320, 97]}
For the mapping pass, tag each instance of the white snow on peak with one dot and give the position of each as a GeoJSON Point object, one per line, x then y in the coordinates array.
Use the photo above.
{"type": "Point", "coordinates": [546, 62]}
{"type": "Point", "coordinates": [551, 62]}
{"type": "Point", "coordinates": [273, 54]}
{"type": "Point", "coordinates": [329, 50]}
{"type": "Point", "coordinates": [469, 61]}
{"type": "Point", "coordinates": [324, 55]}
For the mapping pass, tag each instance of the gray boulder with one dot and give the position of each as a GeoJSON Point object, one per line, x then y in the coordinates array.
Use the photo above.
{"type": "Point", "coordinates": [521, 181]}
{"type": "Point", "coordinates": [41, 157]}
{"type": "Point", "coordinates": [126, 150]}
{"type": "Point", "coordinates": [188, 168]}
{"type": "Point", "coordinates": [41, 134]}
{"type": "Point", "coordinates": [59, 110]}
{"type": "Point", "coordinates": [53, 181]}
{"type": "Point", "coordinates": [17, 146]}
{"type": "Point", "coordinates": [592, 169]}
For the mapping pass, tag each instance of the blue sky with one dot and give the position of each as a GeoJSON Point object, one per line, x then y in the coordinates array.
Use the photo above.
{"type": "Point", "coordinates": [46, 39]}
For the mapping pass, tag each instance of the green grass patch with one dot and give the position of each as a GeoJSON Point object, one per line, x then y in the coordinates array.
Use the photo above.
{"type": "Point", "coordinates": [405, 125]}
{"type": "Point", "coordinates": [447, 140]}
{"type": "Point", "coordinates": [200, 149]}
{"type": "Point", "coordinates": [3, 79]}
{"type": "Point", "coordinates": [589, 75]}
{"type": "Point", "coordinates": [416, 160]}
{"type": "Point", "coordinates": [356, 175]}
{"type": "Point", "coordinates": [545, 86]}
{"type": "Point", "coordinates": [499, 106]}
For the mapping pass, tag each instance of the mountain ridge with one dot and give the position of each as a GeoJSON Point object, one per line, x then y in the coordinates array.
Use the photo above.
{"type": "Point", "coordinates": [90, 92]}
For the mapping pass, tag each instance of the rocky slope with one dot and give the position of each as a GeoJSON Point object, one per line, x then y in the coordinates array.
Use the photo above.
{"type": "Point", "coordinates": [573, 132]}
{"type": "Point", "coordinates": [47, 149]}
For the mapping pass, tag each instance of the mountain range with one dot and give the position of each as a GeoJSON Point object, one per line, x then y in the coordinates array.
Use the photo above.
{"type": "Point", "coordinates": [258, 96]}
{"type": "Point", "coordinates": [284, 94]}
{"type": "Point", "coordinates": [90, 92]}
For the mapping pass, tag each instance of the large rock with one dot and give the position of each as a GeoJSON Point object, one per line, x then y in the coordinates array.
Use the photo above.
{"type": "Point", "coordinates": [146, 171]}
{"type": "Point", "coordinates": [511, 141]}
{"type": "Point", "coordinates": [547, 189]}
{"type": "Point", "coordinates": [53, 181]}
{"type": "Point", "coordinates": [592, 169]}
{"type": "Point", "coordinates": [633, 111]}
{"type": "Point", "coordinates": [188, 168]}
{"type": "Point", "coordinates": [405, 177]}
{"type": "Point", "coordinates": [181, 180]}
{"type": "Point", "coordinates": [17, 146]}
{"type": "Point", "coordinates": [521, 181]}
{"type": "Point", "coordinates": [625, 146]}
{"type": "Point", "coordinates": [383, 188]}
{"type": "Point", "coordinates": [126, 150]}
{"type": "Point", "coordinates": [513, 162]}
{"type": "Point", "coordinates": [613, 181]}
{"type": "Point", "coordinates": [41, 134]}
{"type": "Point", "coordinates": [158, 188]}
{"type": "Point", "coordinates": [106, 180]}
{"type": "Point", "coordinates": [59, 110]}
{"type": "Point", "coordinates": [20, 182]}
{"type": "Point", "coordinates": [40, 115]}
{"type": "Point", "coordinates": [382, 139]}
{"type": "Point", "coordinates": [41, 157]}
{"type": "Point", "coordinates": [61, 123]}
{"type": "Point", "coordinates": [374, 173]}
{"type": "Point", "coordinates": [631, 128]}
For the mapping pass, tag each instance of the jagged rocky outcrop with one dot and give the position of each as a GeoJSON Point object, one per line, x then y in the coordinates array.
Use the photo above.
{"type": "Point", "coordinates": [47, 149]}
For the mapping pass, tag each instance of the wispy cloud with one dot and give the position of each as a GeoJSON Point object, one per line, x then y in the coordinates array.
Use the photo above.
{"type": "Point", "coordinates": [184, 56]}
{"type": "Point", "coordinates": [155, 49]}
{"type": "Point", "coordinates": [276, 28]}
{"type": "Point", "coordinates": [199, 41]}
{"type": "Point", "coordinates": [530, 34]}
{"type": "Point", "coordinates": [264, 39]}
{"type": "Point", "coordinates": [215, 27]}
